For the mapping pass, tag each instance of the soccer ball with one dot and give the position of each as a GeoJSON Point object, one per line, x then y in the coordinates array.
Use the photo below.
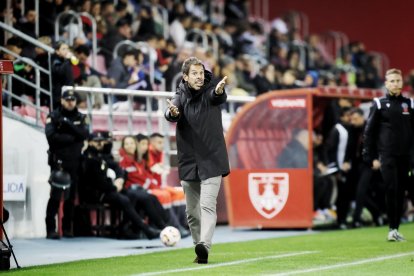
{"type": "Point", "coordinates": [170, 236]}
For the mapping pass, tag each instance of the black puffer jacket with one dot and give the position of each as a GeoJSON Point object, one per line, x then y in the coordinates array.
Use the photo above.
{"type": "Point", "coordinates": [201, 146]}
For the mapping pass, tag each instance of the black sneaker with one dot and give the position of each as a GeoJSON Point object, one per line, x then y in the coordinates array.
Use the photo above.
{"type": "Point", "coordinates": [202, 253]}
{"type": "Point", "coordinates": [52, 236]}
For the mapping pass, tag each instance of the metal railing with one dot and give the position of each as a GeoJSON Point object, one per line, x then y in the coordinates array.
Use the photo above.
{"type": "Point", "coordinates": [8, 89]}
{"type": "Point", "coordinates": [149, 116]}
{"type": "Point", "coordinates": [78, 17]}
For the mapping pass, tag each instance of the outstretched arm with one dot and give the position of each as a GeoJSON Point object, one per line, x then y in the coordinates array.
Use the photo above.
{"type": "Point", "coordinates": [220, 86]}
{"type": "Point", "coordinates": [172, 113]}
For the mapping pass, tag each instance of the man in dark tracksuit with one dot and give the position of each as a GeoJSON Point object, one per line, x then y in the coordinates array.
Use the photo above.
{"type": "Point", "coordinates": [66, 129]}
{"type": "Point", "coordinates": [389, 133]}
{"type": "Point", "coordinates": [202, 154]}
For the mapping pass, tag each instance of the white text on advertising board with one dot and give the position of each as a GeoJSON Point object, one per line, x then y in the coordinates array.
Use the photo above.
{"type": "Point", "coordinates": [288, 103]}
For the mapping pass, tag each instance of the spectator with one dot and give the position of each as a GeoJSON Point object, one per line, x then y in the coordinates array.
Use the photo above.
{"type": "Point", "coordinates": [42, 59]}
{"type": "Point", "coordinates": [178, 29]}
{"type": "Point", "coordinates": [121, 68]}
{"type": "Point", "coordinates": [66, 129]}
{"type": "Point", "coordinates": [62, 73]}
{"type": "Point", "coordinates": [266, 80]}
{"type": "Point", "coordinates": [103, 184]}
{"type": "Point", "coordinates": [89, 77]}
{"type": "Point", "coordinates": [112, 38]}
{"type": "Point", "coordinates": [295, 154]}
{"type": "Point", "coordinates": [134, 159]}
{"type": "Point", "coordinates": [159, 170]}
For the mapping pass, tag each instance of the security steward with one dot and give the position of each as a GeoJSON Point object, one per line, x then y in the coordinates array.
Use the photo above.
{"type": "Point", "coordinates": [389, 134]}
{"type": "Point", "coordinates": [66, 130]}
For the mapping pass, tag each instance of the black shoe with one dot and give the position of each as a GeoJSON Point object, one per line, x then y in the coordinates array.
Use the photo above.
{"type": "Point", "coordinates": [52, 236]}
{"type": "Point", "coordinates": [202, 253]}
{"type": "Point", "coordinates": [152, 233]}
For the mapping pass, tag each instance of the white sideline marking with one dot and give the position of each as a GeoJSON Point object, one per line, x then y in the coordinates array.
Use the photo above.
{"type": "Point", "coordinates": [228, 263]}
{"type": "Point", "coordinates": [341, 265]}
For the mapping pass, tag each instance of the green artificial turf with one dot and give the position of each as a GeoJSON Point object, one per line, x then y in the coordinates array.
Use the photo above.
{"type": "Point", "coordinates": [350, 252]}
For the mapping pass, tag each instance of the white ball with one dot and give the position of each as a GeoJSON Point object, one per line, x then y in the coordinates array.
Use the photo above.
{"type": "Point", "coordinates": [170, 236]}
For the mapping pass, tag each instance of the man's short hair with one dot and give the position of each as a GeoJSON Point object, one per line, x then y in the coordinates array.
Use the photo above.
{"type": "Point", "coordinates": [83, 49]}
{"type": "Point", "coordinates": [393, 71]}
{"type": "Point", "coordinates": [188, 62]}
{"type": "Point", "coordinates": [156, 134]}
{"type": "Point", "coordinates": [357, 110]}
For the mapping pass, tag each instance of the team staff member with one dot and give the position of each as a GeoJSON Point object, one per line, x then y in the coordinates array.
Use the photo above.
{"type": "Point", "coordinates": [66, 129]}
{"type": "Point", "coordinates": [389, 134]}
{"type": "Point", "coordinates": [202, 155]}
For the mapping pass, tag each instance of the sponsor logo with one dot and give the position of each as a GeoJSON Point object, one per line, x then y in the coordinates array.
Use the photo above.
{"type": "Point", "coordinates": [288, 103]}
{"type": "Point", "coordinates": [268, 192]}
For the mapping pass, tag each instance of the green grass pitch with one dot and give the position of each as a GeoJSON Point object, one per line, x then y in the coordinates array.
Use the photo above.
{"type": "Point", "coordinates": [350, 252]}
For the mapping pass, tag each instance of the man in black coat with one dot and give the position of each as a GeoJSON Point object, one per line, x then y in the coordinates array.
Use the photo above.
{"type": "Point", "coordinates": [389, 134]}
{"type": "Point", "coordinates": [202, 154]}
{"type": "Point", "coordinates": [66, 129]}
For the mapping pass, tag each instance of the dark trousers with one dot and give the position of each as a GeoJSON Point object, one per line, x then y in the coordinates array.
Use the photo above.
{"type": "Point", "coordinates": [394, 172]}
{"type": "Point", "coordinates": [122, 202]}
{"type": "Point", "coordinates": [148, 203]}
{"type": "Point", "coordinates": [68, 206]}
{"type": "Point", "coordinates": [322, 192]}
{"type": "Point", "coordinates": [368, 185]}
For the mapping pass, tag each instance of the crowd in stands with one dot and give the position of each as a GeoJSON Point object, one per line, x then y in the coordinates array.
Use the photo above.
{"type": "Point", "coordinates": [256, 57]}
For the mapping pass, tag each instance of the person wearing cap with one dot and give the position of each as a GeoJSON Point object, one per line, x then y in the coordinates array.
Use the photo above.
{"type": "Point", "coordinates": [66, 130]}
{"type": "Point", "coordinates": [103, 181]}
{"type": "Point", "coordinates": [201, 149]}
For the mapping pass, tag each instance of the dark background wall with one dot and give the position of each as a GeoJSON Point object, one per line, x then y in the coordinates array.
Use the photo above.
{"type": "Point", "coordinates": [384, 26]}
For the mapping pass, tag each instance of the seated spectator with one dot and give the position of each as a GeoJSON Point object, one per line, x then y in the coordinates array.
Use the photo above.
{"type": "Point", "coordinates": [103, 184]}
{"type": "Point", "coordinates": [113, 37]}
{"type": "Point", "coordinates": [266, 80]}
{"type": "Point", "coordinates": [295, 154]}
{"type": "Point", "coordinates": [134, 160]}
{"type": "Point", "coordinates": [121, 68]}
{"type": "Point", "coordinates": [160, 170]}
{"type": "Point", "coordinates": [42, 59]}
{"type": "Point", "coordinates": [89, 77]}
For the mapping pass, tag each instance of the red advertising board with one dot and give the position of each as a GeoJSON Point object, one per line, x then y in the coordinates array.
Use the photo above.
{"type": "Point", "coordinates": [270, 198]}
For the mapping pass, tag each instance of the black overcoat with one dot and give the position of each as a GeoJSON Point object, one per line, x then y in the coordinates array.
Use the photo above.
{"type": "Point", "coordinates": [201, 146]}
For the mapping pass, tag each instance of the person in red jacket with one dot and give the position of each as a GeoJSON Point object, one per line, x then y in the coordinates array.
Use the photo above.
{"type": "Point", "coordinates": [134, 159]}
{"type": "Point", "coordinates": [159, 171]}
